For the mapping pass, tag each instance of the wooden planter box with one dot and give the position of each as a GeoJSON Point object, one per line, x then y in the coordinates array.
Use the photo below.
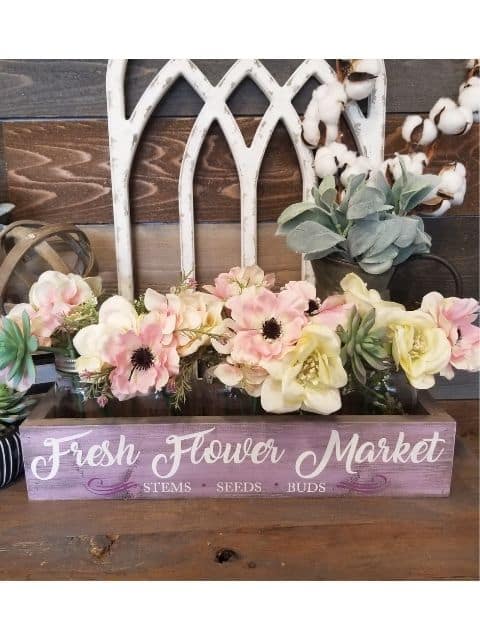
{"type": "Point", "coordinates": [84, 454]}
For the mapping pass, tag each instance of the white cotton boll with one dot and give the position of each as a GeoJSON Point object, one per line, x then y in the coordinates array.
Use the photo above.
{"type": "Point", "coordinates": [419, 130]}
{"type": "Point", "coordinates": [361, 164]}
{"type": "Point", "coordinates": [441, 105]}
{"type": "Point", "coordinates": [358, 84]}
{"type": "Point", "coordinates": [439, 211]}
{"type": "Point", "coordinates": [330, 99]}
{"type": "Point", "coordinates": [450, 118]}
{"type": "Point", "coordinates": [453, 183]}
{"type": "Point", "coordinates": [341, 152]}
{"type": "Point", "coordinates": [414, 163]}
{"type": "Point", "coordinates": [473, 65]}
{"type": "Point", "coordinates": [469, 97]}
{"type": "Point", "coordinates": [311, 132]}
{"type": "Point", "coordinates": [329, 159]}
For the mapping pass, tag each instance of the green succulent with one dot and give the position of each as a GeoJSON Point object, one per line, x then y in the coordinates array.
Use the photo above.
{"type": "Point", "coordinates": [369, 226]}
{"type": "Point", "coordinates": [13, 407]}
{"type": "Point", "coordinates": [16, 349]}
{"type": "Point", "coordinates": [363, 346]}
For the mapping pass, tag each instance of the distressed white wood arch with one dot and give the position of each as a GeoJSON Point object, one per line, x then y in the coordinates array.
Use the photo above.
{"type": "Point", "coordinates": [125, 133]}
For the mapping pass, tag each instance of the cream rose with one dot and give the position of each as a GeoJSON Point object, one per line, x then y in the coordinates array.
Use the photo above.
{"type": "Point", "coordinates": [308, 377]}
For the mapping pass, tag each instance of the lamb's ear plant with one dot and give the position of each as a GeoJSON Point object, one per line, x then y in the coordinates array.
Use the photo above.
{"type": "Point", "coordinates": [370, 225]}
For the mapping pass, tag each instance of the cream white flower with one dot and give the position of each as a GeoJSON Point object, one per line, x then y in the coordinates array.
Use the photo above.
{"type": "Point", "coordinates": [116, 315]}
{"type": "Point", "coordinates": [419, 130]}
{"type": "Point", "coordinates": [469, 97]}
{"type": "Point", "coordinates": [309, 377]}
{"type": "Point", "coordinates": [357, 293]}
{"type": "Point", "coordinates": [361, 77]}
{"type": "Point", "coordinates": [332, 158]}
{"type": "Point", "coordinates": [419, 347]}
{"type": "Point", "coordinates": [450, 118]}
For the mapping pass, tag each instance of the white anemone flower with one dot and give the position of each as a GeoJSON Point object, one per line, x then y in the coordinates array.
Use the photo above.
{"type": "Point", "coordinates": [419, 130]}
{"type": "Point", "coordinates": [332, 158]}
{"type": "Point", "coordinates": [450, 118]}
{"type": "Point", "coordinates": [469, 96]}
{"type": "Point", "coordinates": [361, 78]}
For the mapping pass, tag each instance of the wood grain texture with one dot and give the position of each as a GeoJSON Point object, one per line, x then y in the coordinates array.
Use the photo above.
{"type": "Point", "coordinates": [76, 88]}
{"type": "Point", "coordinates": [59, 170]}
{"type": "Point", "coordinates": [286, 539]}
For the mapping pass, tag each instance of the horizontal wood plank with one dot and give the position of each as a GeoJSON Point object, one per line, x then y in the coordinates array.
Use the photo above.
{"type": "Point", "coordinates": [76, 88]}
{"type": "Point", "coordinates": [286, 539]}
{"type": "Point", "coordinates": [59, 170]}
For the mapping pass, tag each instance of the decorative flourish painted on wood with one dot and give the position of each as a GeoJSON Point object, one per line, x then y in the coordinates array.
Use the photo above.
{"type": "Point", "coordinates": [125, 133]}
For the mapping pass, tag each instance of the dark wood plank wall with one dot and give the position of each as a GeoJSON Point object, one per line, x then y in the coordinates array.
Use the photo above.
{"type": "Point", "coordinates": [54, 166]}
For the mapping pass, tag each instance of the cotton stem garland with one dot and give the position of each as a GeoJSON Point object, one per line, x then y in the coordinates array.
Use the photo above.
{"type": "Point", "coordinates": [355, 80]}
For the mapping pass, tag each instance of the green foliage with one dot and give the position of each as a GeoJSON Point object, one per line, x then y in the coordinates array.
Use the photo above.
{"type": "Point", "coordinates": [13, 407]}
{"type": "Point", "coordinates": [16, 349]}
{"type": "Point", "coordinates": [369, 226]}
{"type": "Point", "coordinates": [363, 347]}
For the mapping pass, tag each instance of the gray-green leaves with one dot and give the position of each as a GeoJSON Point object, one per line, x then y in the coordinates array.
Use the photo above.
{"type": "Point", "coordinates": [368, 226]}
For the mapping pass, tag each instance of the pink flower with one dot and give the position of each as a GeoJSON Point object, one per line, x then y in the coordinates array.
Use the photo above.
{"type": "Point", "coordinates": [265, 325]}
{"type": "Point", "coordinates": [333, 311]}
{"type": "Point", "coordinates": [143, 359]}
{"type": "Point", "coordinates": [41, 325]}
{"type": "Point", "coordinates": [248, 378]}
{"type": "Point", "coordinates": [237, 279]}
{"type": "Point", "coordinates": [455, 316]}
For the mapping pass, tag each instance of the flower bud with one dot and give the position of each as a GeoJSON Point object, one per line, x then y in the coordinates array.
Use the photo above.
{"type": "Point", "coordinates": [450, 118]}
{"type": "Point", "coordinates": [418, 130]}
{"type": "Point", "coordinates": [469, 96]}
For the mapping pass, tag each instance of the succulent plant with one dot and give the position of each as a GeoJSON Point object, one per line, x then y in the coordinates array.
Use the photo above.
{"type": "Point", "coordinates": [16, 349]}
{"type": "Point", "coordinates": [363, 347]}
{"type": "Point", "coordinates": [13, 407]}
{"type": "Point", "coordinates": [369, 226]}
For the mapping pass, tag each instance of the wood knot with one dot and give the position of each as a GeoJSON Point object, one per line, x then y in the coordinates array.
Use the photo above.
{"type": "Point", "coordinates": [100, 547]}
{"type": "Point", "coordinates": [225, 555]}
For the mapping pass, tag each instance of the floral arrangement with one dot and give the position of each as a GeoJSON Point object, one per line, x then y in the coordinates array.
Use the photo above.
{"type": "Point", "coordinates": [59, 306]}
{"type": "Point", "coordinates": [288, 348]}
{"type": "Point", "coordinates": [360, 209]}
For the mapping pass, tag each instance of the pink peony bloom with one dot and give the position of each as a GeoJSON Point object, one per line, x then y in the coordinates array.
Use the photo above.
{"type": "Point", "coordinates": [333, 311]}
{"type": "Point", "coordinates": [455, 316]}
{"type": "Point", "coordinates": [265, 325]}
{"type": "Point", "coordinates": [237, 279]}
{"type": "Point", "coordinates": [143, 359]}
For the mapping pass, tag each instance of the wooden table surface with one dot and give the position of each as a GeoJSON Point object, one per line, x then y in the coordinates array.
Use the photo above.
{"type": "Point", "coordinates": [276, 539]}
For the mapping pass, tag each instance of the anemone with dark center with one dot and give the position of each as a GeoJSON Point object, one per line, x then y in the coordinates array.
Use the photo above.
{"type": "Point", "coordinates": [271, 329]}
{"type": "Point", "coordinates": [142, 359]}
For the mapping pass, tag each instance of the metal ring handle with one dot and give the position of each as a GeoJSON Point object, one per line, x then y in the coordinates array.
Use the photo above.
{"type": "Point", "coordinates": [457, 278]}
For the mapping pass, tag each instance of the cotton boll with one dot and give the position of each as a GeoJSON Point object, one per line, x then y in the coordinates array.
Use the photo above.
{"type": "Point", "coordinates": [469, 97]}
{"type": "Point", "coordinates": [320, 123]}
{"type": "Point", "coordinates": [450, 118]}
{"type": "Point", "coordinates": [330, 99]}
{"type": "Point", "coordinates": [361, 77]}
{"type": "Point", "coordinates": [473, 66]}
{"type": "Point", "coordinates": [331, 158]}
{"type": "Point", "coordinates": [435, 211]}
{"type": "Point", "coordinates": [453, 183]}
{"type": "Point", "coordinates": [418, 130]}
{"type": "Point", "coordinates": [414, 163]}
{"type": "Point", "coordinates": [361, 164]}
{"type": "Point", "coordinates": [441, 105]}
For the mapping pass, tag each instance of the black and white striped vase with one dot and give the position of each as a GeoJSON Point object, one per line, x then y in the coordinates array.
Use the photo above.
{"type": "Point", "coordinates": [11, 458]}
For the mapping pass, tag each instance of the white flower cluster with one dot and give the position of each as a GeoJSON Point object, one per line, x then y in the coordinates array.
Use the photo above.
{"type": "Point", "coordinates": [447, 116]}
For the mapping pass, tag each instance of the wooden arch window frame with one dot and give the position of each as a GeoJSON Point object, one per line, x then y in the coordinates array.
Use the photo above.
{"type": "Point", "coordinates": [125, 134]}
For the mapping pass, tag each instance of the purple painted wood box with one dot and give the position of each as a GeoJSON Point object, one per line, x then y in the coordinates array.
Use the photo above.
{"type": "Point", "coordinates": [85, 454]}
